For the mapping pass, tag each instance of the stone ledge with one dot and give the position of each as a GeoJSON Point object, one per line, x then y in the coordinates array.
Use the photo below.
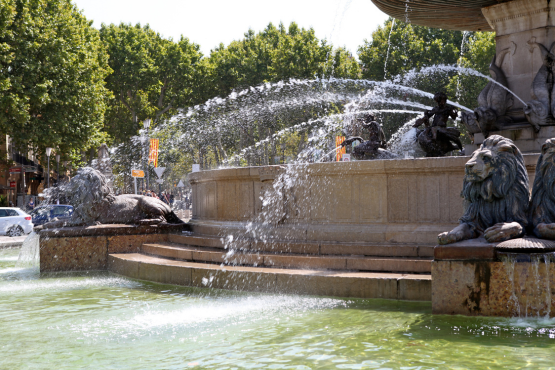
{"type": "Point", "coordinates": [473, 249]}
{"type": "Point", "coordinates": [273, 280]}
{"type": "Point", "coordinates": [111, 230]}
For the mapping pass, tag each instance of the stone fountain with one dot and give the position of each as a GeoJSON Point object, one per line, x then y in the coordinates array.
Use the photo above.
{"type": "Point", "coordinates": [497, 261]}
{"type": "Point", "coordinates": [525, 35]}
{"type": "Point", "coordinates": [368, 228]}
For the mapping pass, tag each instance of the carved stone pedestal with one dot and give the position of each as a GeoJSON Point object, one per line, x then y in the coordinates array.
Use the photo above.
{"type": "Point", "coordinates": [525, 138]}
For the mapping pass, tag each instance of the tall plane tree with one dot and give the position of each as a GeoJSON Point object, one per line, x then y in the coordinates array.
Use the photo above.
{"type": "Point", "coordinates": [152, 77]}
{"type": "Point", "coordinates": [52, 70]}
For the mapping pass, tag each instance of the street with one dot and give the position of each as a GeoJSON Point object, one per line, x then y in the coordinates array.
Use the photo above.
{"type": "Point", "coordinates": [6, 241]}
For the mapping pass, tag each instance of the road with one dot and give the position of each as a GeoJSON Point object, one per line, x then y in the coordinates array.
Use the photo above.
{"type": "Point", "coordinates": [16, 241]}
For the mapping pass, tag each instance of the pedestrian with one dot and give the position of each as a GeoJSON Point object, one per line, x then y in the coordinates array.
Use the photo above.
{"type": "Point", "coordinates": [31, 204]}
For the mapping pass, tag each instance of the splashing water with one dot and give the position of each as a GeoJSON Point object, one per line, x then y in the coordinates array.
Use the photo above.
{"type": "Point", "coordinates": [388, 47]}
{"type": "Point", "coordinates": [470, 72]}
{"type": "Point", "coordinates": [459, 61]}
{"type": "Point", "coordinates": [29, 253]}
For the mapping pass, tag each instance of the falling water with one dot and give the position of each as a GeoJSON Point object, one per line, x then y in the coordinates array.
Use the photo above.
{"type": "Point", "coordinates": [459, 61]}
{"type": "Point", "coordinates": [529, 284]}
{"type": "Point", "coordinates": [29, 253]}
{"type": "Point", "coordinates": [513, 304]}
{"type": "Point", "coordinates": [388, 47]}
{"type": "Point", "coordinates": [548, 299]}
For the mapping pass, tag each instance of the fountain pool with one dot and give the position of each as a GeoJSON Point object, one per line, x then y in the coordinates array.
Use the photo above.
{"type": "Point", "coordinates": [101, 320]}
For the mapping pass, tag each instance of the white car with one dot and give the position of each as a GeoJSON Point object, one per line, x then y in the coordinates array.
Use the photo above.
{"type": "Point", "coordinates": [14, 222]}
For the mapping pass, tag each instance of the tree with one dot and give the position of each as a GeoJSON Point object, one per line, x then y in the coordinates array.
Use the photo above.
{"type": "Point", "coordinates": [152, 77]}
{"type": "Point", "coordinates": [398, 47]}
{"type": "Point", "coordinates": [52, 70]}
{"type": "Point", "coordinates": [276, 54]}
{"type": "Point", "coordinates": [477, 55]}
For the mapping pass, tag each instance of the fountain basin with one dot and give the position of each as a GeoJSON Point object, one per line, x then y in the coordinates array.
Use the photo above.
{"type": "Point", "coordinates": [476, 278]}
{"type": "Point", "coordinates": [407, 201]}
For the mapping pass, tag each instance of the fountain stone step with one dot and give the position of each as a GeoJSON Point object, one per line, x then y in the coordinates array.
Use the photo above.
{"type": "Point", "coordinates": [289, 260]}
{"type": "Point", "coordinates": [311, 247]}
{"type": "Point", "coordinates": [272, 280]}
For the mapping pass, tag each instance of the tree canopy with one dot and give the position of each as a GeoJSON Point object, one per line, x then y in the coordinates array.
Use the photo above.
{"type": "Point", "coordinates": [52, 71]}
{"type": "Point", "coordinates": [398, 47]}
{"type": "Point", "coordinates": [152, 77]}
{"type": "Point", "coordinates": [276, 54]}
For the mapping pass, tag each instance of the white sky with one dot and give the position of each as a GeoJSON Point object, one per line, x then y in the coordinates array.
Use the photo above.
{"type": "Point", "coordinates": [207, 23]}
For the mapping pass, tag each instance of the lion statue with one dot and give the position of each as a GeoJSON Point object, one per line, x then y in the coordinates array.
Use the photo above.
{"type": "Point", "coordinates": [94, 202]}
{"type": "Point", "coordinates": [542, 206]}
{"type": "Point", "coordinates": [495, 190]}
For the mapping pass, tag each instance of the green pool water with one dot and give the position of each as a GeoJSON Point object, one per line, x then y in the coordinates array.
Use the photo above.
{"type": "Point", "coordinates": [104, 321]}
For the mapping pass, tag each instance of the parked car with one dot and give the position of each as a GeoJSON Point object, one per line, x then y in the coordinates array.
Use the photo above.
{"type": "Point", "coordinates": [14, 222]}
{"type": "Point", "coordinates": [44, 214]}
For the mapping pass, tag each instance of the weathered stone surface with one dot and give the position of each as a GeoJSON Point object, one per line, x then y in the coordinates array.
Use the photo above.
{"type": "Point", "coordinates": [485, 288]}
{"type": "Point", "coordinates": [131, 243]}
{"type": "Point", "coordinates": [71, 253]}
{"type": "Point", "coordinates": [89, 252]}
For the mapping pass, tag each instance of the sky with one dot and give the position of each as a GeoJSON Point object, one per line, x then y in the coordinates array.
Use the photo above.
{"type": "Point", "coordinates": [211, 22]}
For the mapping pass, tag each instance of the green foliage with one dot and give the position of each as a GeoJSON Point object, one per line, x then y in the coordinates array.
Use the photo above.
{"type": "Point", "coordinates": [405, 48]}
{"type": "Point", "coordinates": [276, 54]}
{"type": "Point", "coordinates": [152, 77]}
{"type": "Point", "coordinates": [478, 55]}
{"type": "Point", "coordinates": [3, 200]}
{"type": "Point", "coordinates": [52, 70]}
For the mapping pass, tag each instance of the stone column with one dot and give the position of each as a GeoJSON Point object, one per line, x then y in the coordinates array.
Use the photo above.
{"type": "Point", "coordinates": [517, 24]}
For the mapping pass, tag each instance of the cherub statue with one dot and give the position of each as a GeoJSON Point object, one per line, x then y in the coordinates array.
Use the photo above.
{"type": "Point", "coordinates": [375, 145]}
{"type": "Point", "coordinates": [437, 139]}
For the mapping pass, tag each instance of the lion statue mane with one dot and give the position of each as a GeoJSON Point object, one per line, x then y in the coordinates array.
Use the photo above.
{"type": "Point", "coordinates": [94, 202]}
{"type": "Point", "coordinates": [542, 205]}
{"type": "Point", "coordinates": [496, 194]}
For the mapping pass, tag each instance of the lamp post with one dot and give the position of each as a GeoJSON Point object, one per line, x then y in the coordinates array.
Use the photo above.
{"type": "Point", "coordinates": [57, 169]}
{"type": "Point", "coordinates": [48, 152]}
{"type": "Point", "coordinates": [146, 125]}
{"type": "Point", "coordinates": [65, 166]}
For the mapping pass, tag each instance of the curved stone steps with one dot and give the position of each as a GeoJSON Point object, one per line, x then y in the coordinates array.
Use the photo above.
{"type": "Point", "coordinates": [311, 247]}
{"type": "Point", "coordinates": [273, 280]}
{"type": "Point", "coordinates": [289, 260]}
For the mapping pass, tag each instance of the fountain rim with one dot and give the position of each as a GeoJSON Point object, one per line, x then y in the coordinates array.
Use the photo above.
{"type": "Point", "coordinates": [455, 15]}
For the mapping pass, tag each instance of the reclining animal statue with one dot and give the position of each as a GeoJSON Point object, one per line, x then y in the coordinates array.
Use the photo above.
{"type": "Point", "coordinates": [542, 204]}
{"type": "Point", "coordinates": [496, 193]}
{"type": "Point", "coordinates": [94, 202]}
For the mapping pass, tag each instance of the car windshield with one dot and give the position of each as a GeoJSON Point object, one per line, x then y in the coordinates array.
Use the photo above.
{"type": "Point", "coordinates": [43, 211]}
{"type": "Point", "coordinates": [60, 211]}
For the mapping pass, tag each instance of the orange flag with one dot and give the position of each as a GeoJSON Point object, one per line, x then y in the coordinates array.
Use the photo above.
{"type": "Point", "coordinates": [153, 154]}
{"type": "Point", "coordinates": [339, 153]}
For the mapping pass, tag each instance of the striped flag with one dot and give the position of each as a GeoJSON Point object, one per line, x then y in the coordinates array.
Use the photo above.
{"type": "Point", "coordinates": [153, 155]}
{"type": "Point", "coordinates": [339, 153]}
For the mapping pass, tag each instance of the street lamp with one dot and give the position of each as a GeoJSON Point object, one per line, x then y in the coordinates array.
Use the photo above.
{"type": "Point", "coordinates": [146, 125]}
{"type": "Point", "coordinates": [58, 169]}
{"type": "Point", "coordinates": [65, 166]}
{"type": "Point", "coordinates": [48, 152]}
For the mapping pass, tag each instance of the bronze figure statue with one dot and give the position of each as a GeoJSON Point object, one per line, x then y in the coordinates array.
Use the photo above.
{"type": "Point", "coordinates": [375, 146]}
{"type": "Point", "coordinates": [437, 139]}
{"type": "Point", "coordinates": [496, 193]}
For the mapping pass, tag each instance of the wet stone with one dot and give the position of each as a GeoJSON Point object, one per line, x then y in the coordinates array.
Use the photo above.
{"type": "Point", "coordinates": [523, 245]}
